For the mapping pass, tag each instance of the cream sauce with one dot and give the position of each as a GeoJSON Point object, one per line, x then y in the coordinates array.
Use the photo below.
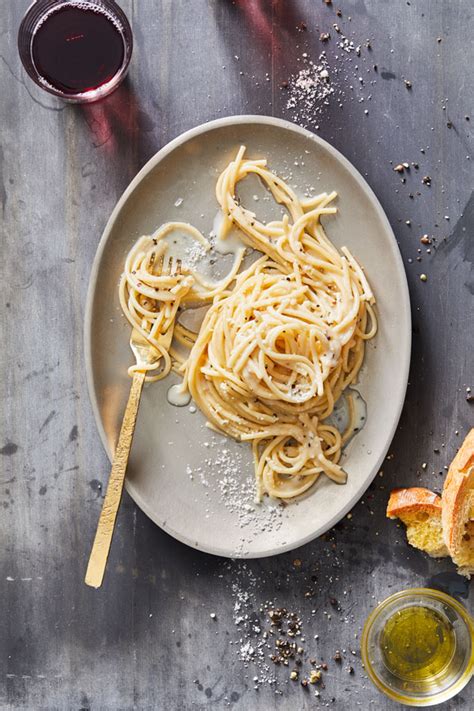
{"type": "Point", "coordinates": [340, 414]}
{"type": "Point", "coordinates": [178, 396]}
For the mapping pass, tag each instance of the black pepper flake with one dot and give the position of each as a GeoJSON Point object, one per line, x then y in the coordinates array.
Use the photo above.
{"type": "Point", "coordinates": [376, 68]}
{"type": "Point", "coordinates": [426, 180]}
{"type": "Point", "coordinates": [407, 83]}
{"type": "Point", "coordinates": [449, 124]}
{"type": "Point", "coordinates": [338, 657]}
{"type": "Point", "coordinates": [470, 397]}
{"type": "Point", "coordinates": [350, 670]}
{"type": "Point", "coordinates": [302, 26]}
{"type": "Point", "coordinates": [284, 84]}
{"type": "Point", "coordinates": [275, 616]}
{"type": "Point", "coordinates": [339, 13]}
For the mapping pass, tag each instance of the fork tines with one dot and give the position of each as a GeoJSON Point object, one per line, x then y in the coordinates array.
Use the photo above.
{"type": "Point", "coordinates": [174, 269]}
{"type": "Point", "coordinates": [157, 266]}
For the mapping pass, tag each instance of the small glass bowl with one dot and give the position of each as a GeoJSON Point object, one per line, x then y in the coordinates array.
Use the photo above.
{"type": "Point", "coordinates": [412, 693]}
{"type": "Point", "coordinates": [35, 15]}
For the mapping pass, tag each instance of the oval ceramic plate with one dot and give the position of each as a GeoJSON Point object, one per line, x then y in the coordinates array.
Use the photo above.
{"type": "Point", "coordinates": [195, 484]}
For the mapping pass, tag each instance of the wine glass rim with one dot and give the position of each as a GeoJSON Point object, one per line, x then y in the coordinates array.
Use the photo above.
{"type": "Point", "coordinates": [30, 23]}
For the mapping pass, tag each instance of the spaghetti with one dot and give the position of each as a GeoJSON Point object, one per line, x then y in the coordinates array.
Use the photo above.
{"type": "Point", "coordinates": [281, 340]}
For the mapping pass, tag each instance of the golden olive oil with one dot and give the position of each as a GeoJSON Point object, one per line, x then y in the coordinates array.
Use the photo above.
{"type": "Point", "coordinates": [417, 644]}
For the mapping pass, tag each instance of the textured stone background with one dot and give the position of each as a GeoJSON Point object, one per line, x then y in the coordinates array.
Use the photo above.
{"type": "Point", "coordinates": [146, 640]}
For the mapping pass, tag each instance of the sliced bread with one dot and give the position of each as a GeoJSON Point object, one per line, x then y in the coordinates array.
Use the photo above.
{"type": "Point", "coordinates": [420, 510]}
{"type": "Point", "coordinates": [458, 507]}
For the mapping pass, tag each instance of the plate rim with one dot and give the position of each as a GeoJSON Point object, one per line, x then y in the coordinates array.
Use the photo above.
{"type": "Point", "coordinates": [404, 357]}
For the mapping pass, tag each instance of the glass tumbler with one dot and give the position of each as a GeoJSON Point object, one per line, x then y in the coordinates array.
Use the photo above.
{"type": "Point", "coordinates": [78, 50]}
{"type": "Point", "coordinates": [408, 688]}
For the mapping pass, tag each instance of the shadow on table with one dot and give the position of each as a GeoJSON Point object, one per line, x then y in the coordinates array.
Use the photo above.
{"type": "Point", "coordinates": [272, 35]}
{"type": "Point", "coordinates": [118, 123]}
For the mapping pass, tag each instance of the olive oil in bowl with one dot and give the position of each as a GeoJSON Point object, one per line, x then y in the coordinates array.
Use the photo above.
{"type": "Point", "coordinates": [418, 644]}
{"type": "Point", "coordinates": [418, 647]}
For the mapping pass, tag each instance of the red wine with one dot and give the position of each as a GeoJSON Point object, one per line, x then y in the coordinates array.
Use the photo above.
{"type": "Point", "coordinates": [77, 49]}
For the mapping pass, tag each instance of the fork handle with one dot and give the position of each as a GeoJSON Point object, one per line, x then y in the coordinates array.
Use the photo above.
{"type": "Point", "coordinates": [105, 527]}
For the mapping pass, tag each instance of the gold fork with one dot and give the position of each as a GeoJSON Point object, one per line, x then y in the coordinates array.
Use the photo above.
{"type": "Point", "coordinates": [145, 355]}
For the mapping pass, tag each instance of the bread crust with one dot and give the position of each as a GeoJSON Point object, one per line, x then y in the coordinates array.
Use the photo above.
{"type": "Point", "coordinates": [412, 500]}
{"type": "Point", "coordinates": [422, 533]}
{"type": "Point", "coordinates": [450, 511]}
{"type": "Point", "coordinates": [457, 485]}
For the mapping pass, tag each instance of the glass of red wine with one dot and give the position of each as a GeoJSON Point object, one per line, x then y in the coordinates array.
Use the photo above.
{"type": "Point", "coordinates": [78, 50]}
